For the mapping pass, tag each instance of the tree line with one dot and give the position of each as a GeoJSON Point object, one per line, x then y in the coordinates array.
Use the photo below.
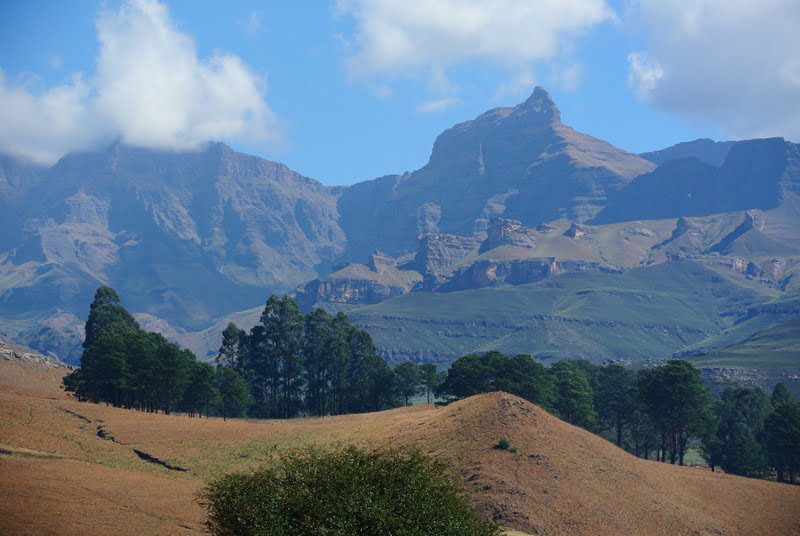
{"type": "Point", "coordinates": [131, 368]}
{"type": "Point", "coordinates": [315, 364]}
{"type": "Point", "coordinates": [289, 364]}
{"type": "Point", "coordinates": [655, 413]}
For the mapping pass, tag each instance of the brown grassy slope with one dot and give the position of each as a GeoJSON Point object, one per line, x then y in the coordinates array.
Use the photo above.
{"type": "Point", "coordinates": [561, 480]}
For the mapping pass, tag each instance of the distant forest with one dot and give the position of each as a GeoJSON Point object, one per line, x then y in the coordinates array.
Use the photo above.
{"type": "Point", "coordinates": [292, 365]}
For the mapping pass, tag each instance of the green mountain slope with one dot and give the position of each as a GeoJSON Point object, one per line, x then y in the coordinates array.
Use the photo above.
{"type": "Point", "coordinates": [777, 347]}
{"type": "Point", "coordinates": [647, 312]}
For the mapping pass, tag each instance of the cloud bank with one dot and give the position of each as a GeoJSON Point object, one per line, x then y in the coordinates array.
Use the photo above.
{"type": "Point", "coordinates": [150, 89]}
{"type": "Point", "coordinates": [735, 63]}
{"type": "Point", "coordinates": [397, 38]}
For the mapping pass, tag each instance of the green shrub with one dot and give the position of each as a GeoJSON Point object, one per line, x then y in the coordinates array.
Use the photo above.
{"type": "Point", "coordinates": [342, 493]}
{"type": "Point", "coordinates": [505, 444]}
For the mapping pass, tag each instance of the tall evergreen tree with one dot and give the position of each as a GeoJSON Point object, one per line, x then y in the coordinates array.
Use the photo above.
{"type": "Point", "coordinates": [678, 404]}
{"type": "Point", "coordinates": [104, 363]}
{"type": "Point", "coordinates": [782, 435]}
{"type": "Point", "coordinates": [408, 380]}
{"type": "Point", "coordinates": [781, 395]}
{"type": "Point", "coordinates": [615, 398]}
{"type": "Point", "coordinates": [431, 379]}
{"type": "Point", "coordinates": [318, 360]}
{"type": "Point", "coordinates": [201, 390]}
{"type": "Point", "coordinates": [741, 413]}
{"type": "Point", "coordinates": [234, 397]}
{"type": "Point", "coordinates": [574, 398]}
{"type": "Point", "coordinates": [229, 352]}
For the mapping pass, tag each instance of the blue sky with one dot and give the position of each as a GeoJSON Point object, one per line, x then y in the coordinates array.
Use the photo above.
{"type": "Point", "coordinates": [340, 103]}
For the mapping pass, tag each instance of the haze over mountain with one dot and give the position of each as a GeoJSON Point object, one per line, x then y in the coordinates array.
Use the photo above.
{"type": "Point", "coordinates": [554, 228]}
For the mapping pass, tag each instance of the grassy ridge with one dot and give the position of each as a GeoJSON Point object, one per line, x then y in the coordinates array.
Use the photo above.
{"type": "Point", "coordinates": [777, 347]}
{"type": "Point", "coordinates": [646, 312]}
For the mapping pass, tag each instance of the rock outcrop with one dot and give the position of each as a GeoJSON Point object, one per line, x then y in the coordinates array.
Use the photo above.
{"type": "Point", "coordinates": [10, 352]}
{"type": "Point", "coordinates": [578, 231]}
{"type": "Point", "coordinates": [359, 284]}
{"type": "Point", "coordinates": [437, 253]}
{"type": "Point", "coordinates": [485, 273]}
{"type": "Point", "coordinates": [502, 232]}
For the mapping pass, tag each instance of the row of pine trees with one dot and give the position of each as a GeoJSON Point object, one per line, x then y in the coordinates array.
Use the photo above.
{"type": "Point", "coordinates": [289, 364]}
{"type": "Point", "coordinates": [314, 364]}
{"type": "Point", "coordinates": [131, 368]}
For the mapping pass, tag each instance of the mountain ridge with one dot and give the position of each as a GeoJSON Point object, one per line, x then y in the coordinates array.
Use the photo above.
{"type": "Point", "coordinates": [511, 197]}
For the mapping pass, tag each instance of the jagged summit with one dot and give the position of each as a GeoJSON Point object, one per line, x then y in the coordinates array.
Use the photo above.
{"type": "Point", "coordinates": [541, 103]}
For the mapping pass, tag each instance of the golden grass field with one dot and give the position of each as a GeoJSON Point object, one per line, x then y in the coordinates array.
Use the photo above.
{"type": "Point", "coordinates": [57, 476]}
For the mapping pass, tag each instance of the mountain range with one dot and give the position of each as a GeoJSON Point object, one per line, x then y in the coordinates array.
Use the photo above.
{"type": "Point", "coordinates": [519, 234]}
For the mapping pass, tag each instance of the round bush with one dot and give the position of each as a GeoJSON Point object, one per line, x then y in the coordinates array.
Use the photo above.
{"type": "Point", "coordinates": [343, 493]}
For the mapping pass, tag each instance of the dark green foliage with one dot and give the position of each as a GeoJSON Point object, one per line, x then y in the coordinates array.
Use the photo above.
{"type": "Point", "coordinates": [677, 404]}
{"type": "Point", "coordinates": [781, 395]}
{"type": "Point", "coordinates": [131, 368]}
{"type": "Point", "coordinates": [201, 391]}
{"type": "Point", "coordinates": [574, 397]}
{"type": "Point", "coordinates": [736, 443]}
{"type": "Point", "coordinates": [232, 338]}
{"type": "Point", "coordinates": [782, 435]}
{"type": "Point", "coordinates": [519, 375]}
{"type": "Point", "coordinates": [318, 364]}
{"type": "Point", "coordinates": [615, 399]}
{"type": "Point", "coordinates": [430, 379]}
{"type": "Point", "coordinates": [408, 378]}
{"type": "Point", "coordinates": [505, 444]}
{"type": "Point", "coordinates": [274, 359]}
{"type": "Point", "coordinates": [343, 493]}
{"type": "Point", "coordinates": [106, 310]}
{"type": "Point", "coordinates": [233, 395]}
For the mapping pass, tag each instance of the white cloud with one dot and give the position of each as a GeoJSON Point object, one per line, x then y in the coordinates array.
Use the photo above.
{"type": "Point", "coordinates": [150, 89]}
{"type": "Point", "coordinates": [44, 126]}
{"type": "Point", "coordinates": [735, 63]}
{"type": "Point", "coordinates": [644, 74]}
{"type": "Point", "coordinates": [437, 105]}
{"type": "Point", "coordinates": [397, 38]}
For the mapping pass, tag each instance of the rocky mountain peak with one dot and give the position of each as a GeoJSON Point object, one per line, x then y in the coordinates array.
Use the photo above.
{"type": "Point", "coordinates": [541, 104]}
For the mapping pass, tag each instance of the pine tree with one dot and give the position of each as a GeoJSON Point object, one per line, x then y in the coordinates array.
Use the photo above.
{"type": "Point", "coordinates": [615, 398]}
{"type": "Point", "coordinates": [782, 437]}
{"type": "Point", "coordinates": [430, 378]}
{"type": "Point", "coordinates": [201, 391]}
{"type": "Point", "coordinates": [408, 379]}
{"type": "Point", "coordinates": [677, 404]}
{"type": "Point", "coordinates": [229, 352]}
{"type": "Point", "coordinates": [234, 397]}
{"type": "Point", "coordinates": [574, 401]}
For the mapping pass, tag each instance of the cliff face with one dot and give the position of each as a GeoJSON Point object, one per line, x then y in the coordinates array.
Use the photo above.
{"type": "Point", "coordinates": [501, 232]}
{"type": "Point", "coordinates": [485, 273]}
{"type": "Point", "coordinates": [436, 253]}
{"type": "Point", "coordinates": [186, 236]}
{"type": "Point", "coordinates": [358, 284]}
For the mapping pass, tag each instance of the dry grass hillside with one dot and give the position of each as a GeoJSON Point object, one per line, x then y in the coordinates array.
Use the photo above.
{"type": "Point", "coordinates": [72, 468]}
